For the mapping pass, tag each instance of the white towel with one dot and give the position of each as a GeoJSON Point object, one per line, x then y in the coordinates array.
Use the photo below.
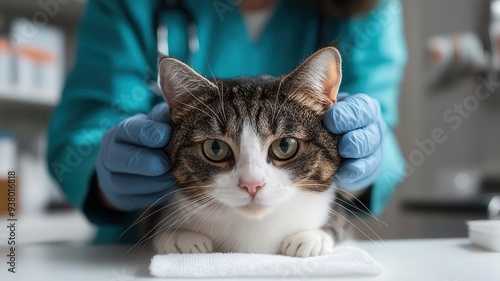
{"type": "Point", "coordinates": [343, 261]}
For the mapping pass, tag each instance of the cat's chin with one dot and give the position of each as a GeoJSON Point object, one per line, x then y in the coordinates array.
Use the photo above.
{"type": "Point", "coordinates": [254, 211]}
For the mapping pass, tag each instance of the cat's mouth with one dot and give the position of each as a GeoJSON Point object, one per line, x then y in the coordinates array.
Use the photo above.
{"type": "Point", "coordinates": [253, 210]}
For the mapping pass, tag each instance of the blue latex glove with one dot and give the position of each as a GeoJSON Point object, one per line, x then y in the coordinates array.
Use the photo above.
{"type": "Point", "coordinates": [132, 170]}
{"type": "Point", "coordinates": [359, 120]}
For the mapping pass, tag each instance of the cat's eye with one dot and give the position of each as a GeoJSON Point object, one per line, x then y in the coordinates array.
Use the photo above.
{"type": "Point", "coordinates": [216, 150]}
{"type": "Point", "coordinates": [284, 148]}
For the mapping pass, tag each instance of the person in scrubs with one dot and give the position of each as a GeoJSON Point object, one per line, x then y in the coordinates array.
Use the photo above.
{"type": "Point", "coordinates": [106, 135]}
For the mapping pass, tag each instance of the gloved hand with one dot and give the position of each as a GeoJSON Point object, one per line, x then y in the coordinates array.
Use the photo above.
{"type": "Point", "coordinates": [359, 120]}
{"type": "Point", "coordinates": [132, 170]}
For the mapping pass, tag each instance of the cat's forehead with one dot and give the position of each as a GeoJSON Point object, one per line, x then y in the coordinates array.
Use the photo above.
{"type": "Point", "coordinates": [262, 103]}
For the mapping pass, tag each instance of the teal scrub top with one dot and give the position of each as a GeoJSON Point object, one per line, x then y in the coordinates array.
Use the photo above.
{"type": "Point", "coordinates": [116, 63]}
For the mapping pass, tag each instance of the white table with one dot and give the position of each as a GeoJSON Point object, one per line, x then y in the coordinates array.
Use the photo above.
{"type": "Point", "coordinates": [50, 228]}
{"type": "Point", "coordinates": [436, 259]}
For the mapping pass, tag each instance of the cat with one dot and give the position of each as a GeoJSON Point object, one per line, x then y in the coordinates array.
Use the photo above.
{"type": "Point", "coordinates": [252, 160]}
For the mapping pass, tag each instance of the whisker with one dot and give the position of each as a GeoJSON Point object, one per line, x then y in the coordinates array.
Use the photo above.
{"type": "Point", "coordinates": [193, 203]}
{"type": "Point", "coordinates": [180, 224]}
{"type": "Point", "coordinates": [275, 103]}
{"type": "Point", "coordinates": [140, 218]}
{"type": "Point", "coordinates": [222, 103]}
{"type": "Point", "coordinates": [221, 94]}
{"type": "Point", "coordinates": [353, 213]}
{"type": "Point", "coordinates": [215, 114]}
{"type": "Point", "coordinates": [194, 107]}
{"type": "Point", "coordinates": [360, 202]}
{"type": "Point", "coordinates": [203, 218]}
{"type": "Point", "coordinates": [363, 211]}
{"type": "Point", "coordinates": [338, 214]}
{"type": "Point", "coordinates": [351, 196]}
{"type": "Point", "coordinates": [199, 204]}
{"type": "Point", "coordinates": [338, 226]}
{"type": "Point", "coordinates": [289, 97]}
{"type": "Point", "coordinates": [221, 207]}
{"type": "Point", "coordinates": [143, 239]}
{"type": "Point", "coordinates": [351, 204]}
{"type": "Point", "coordinates": [181, 208]}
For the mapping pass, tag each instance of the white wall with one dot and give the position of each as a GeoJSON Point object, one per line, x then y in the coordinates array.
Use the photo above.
{"type": "Point", "coordinates": [467, 149]}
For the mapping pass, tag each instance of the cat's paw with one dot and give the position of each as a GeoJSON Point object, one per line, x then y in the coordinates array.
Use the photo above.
{"type": "Point", "coordinates": [183, 242]}
{"type": "Point", "coordinates": [307, 244]}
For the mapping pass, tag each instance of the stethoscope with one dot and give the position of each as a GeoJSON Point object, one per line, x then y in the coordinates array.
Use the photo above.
{"type": "Point", "coordinates": [192, 30]}
{"type": "Point", "coordinates": [162, 35]}
{"type": "Point", "coordinates": [162, 29]}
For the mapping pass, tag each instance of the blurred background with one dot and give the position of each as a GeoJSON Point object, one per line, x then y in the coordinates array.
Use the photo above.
{"type": "Point", "coordinates": [449, 127]}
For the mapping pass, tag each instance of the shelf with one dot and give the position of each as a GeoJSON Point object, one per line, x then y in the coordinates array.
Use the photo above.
{"type": "Point", "coordinates": [65, 13]}
{"type": "Point", "coordinates": [26, 98]}
{"type": "Point", "coordinates": [25, 106]}
{"type": "Point", "coordinates": [51, 228]}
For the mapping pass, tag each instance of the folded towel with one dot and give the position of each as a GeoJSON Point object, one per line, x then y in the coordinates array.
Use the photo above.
{"type": "Point", "coordinates": [344, 260]}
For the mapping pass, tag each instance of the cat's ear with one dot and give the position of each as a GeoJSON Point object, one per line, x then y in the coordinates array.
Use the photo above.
{"type": "Point", "coordinates": [178, 81]}
{"type": "Point", "coordinates": [321, 73]}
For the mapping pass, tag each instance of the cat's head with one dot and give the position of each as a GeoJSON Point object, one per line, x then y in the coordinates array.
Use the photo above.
{"type": "Point", "coordinates": [251, 144]}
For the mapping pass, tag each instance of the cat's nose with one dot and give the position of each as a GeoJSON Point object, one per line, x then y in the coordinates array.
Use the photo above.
{"type": "Point", "coordinates": [251, 186]}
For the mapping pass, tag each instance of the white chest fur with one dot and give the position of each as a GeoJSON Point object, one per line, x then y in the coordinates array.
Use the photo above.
{"type": "Point", "coordinates": [231, 231]}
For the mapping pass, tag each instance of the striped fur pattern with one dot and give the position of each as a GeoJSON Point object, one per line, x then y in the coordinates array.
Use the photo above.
{"type": "Point", "coordinates": [291, 211]}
